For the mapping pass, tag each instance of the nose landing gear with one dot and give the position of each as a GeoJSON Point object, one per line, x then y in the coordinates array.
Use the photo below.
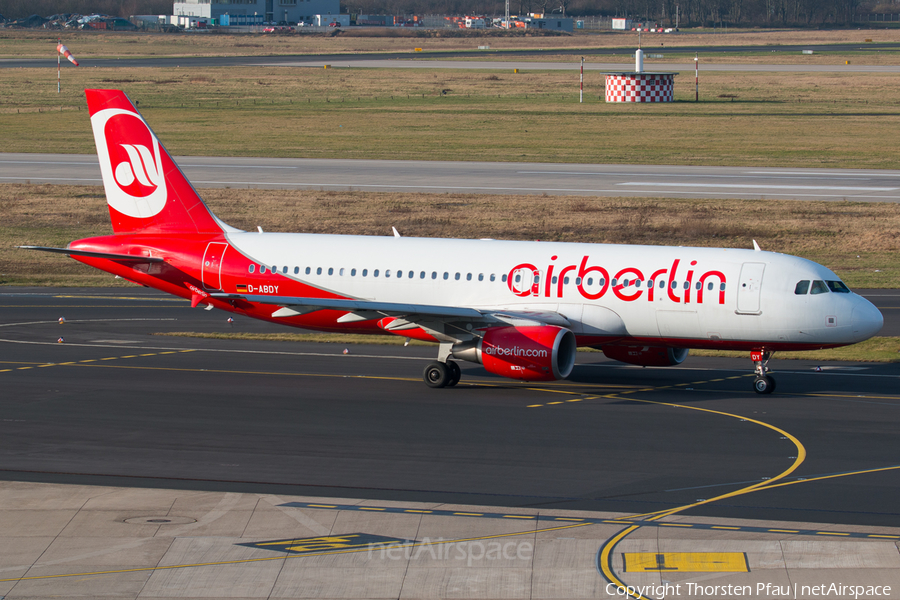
{"type": "Point", "coordinates": [763, 384]}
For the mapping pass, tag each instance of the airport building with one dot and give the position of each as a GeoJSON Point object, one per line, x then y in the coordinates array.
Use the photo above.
{"type": "Point", "coordinates": [256, 12]}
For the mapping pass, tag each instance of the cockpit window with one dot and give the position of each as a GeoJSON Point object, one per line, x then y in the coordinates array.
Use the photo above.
{"type": "Point", "coordinates": [802, 287]}
{"type": "Point", "coordinates": [819, 287]}
{"type": "Point", "coordinates": [838, 286]}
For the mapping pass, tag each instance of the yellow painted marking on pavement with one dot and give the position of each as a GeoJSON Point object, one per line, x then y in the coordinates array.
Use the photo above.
{"type": "Point", "coordinates": [723, 527]}
{"type": "Point", "coordinates": [549, 403]}
{"type": "Point", "coordinates": [369, 508]}
{"type": "Point", "coordinates": [534, 406]}
{"type": "Point", "coordinates": [685, 562]}
{"type": "Point", "coordinates": [410, 510]}
{"type": "Point", "coordinates": [606, 551]}
{"type": "Point", "coordinates": [830, 533]}
{"type": "Point", "coordinates": [890, 537]}
{"type": "Point", "coordinates": [675, 525]}
{"type": "Point", "coordinates": [469, 514]}
{"type": "Point", "coordinates": [575, 400]}
{"type": "Point", "coordinates": [517, 517]}
{"type": "Point", "coordinates": [323, 506]}
{"type": "Point", "coordinates": [784, 530]}
{"type": "Point", "coordinates": [854, 396]}
{"type": "Point", "coordinates": [566, 519]}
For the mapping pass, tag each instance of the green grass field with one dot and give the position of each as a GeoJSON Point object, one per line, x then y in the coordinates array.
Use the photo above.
{"type": "Point", "coordinates": [752, 119]}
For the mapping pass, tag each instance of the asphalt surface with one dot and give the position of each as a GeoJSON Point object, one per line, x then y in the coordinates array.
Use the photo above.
{"type": "Point", "coordinates": [115, 405]}
{"type": "Point", "coordinates": [485, 177]}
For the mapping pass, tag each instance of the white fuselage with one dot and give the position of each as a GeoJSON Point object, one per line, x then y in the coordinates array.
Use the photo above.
{"type": "Point", "coordinates": [711, 296]}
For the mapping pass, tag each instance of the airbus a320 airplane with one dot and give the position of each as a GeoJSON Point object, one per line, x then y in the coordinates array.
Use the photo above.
{"type": "Point", "coordinates": [518, 308]}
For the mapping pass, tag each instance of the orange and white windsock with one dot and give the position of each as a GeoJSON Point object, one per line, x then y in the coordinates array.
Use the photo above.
{"type": "Point", "coordinates": [65, 52]}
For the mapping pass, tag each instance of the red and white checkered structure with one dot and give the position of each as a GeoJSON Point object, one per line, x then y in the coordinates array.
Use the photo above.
{"type": "Point", "coordinates": [640, 87]}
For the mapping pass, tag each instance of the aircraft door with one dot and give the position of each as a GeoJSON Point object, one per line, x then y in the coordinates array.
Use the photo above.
{"type": "Point", "coordinates": [749, 287]}
{"type": "Point", "coordinates": [211, 267]}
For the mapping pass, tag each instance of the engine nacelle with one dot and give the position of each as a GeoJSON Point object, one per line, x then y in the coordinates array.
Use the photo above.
{"type": "Point", "coordinates": [646, 356]}
{"type": "Point", "coordinates": [540, 353]}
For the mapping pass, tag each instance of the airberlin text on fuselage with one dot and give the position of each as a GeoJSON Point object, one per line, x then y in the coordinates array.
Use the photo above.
{"type": "Point", "coordinates": [548, 288]}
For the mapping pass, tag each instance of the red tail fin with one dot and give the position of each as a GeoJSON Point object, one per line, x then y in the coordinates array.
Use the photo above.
{"type": "Point", "coordinates": [145, 189]}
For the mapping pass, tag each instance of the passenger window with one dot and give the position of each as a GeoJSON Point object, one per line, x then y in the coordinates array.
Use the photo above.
{"type": "Point", "coordinates": [687, 285]}
{"type": "Point", "coordinates": [319, 271]}
{"type": "Point", "coordinates": [674, 285]}
{"type": "Point", "coordinates": [838, 287]}
{"type": "Point", "coordinates": [555, 279]}
{"type": "Point", "coordinates": [434, 274]}
{"type": "Point", "coordinates": [284, 270]}
{"type": "Point", "coordinates": [565, 281]}
{"type": "Point", "coordinates": [492, 277]}
{"type": "Point", "coordinates": [308, 269]}
{"type": "Point", "coordinates": [296, 270]}
{"type": "Point", "coordinates": [698, 285]}
{"type": "Point", "coordinates": [456, 277]}
{"type": "Point", "coordinates": [802, 287]}
{"type": "Point", "coordinates": [662, 283]}
{"type": "Point", "coordinates": [819, 287]}
{"type": "Point", "coordinates": [503, 279]}
{"type": "Point", "coordinates": [468, 277]}
{"type": "Point", "coordinates": [446, 275]}
{"type": "Point", "coordinates": [721, 287]}
{"type": "Point", "coordinates": [375, 273]}
{"type": "Point", "coordinates": [331, 270]}
{"type": "Point", "coordinates": [387, 273]}
{"type": "Point", "coordinates": [251, 268]}
{"type": "Point", "coordinates": [412, 274]}
{"type": "Point", "coordinates": [365, 272]}
{"type": "Point", "coordinates": [518, 278]}
{"type": "Point", "coordinates": [578, 281]}
{"type": "Point", "coordinates": [537, 279]}
{"type": "Point", "coordinates": [341, 272]}
{"type": "Point", "coordinates": [422, 275]}
{"type": "Point", "coordinates": [352, 272]}
{"type": "Point", "coordinates": [399, 273]}
{"type": "Point", "coordinates": [709, 286]}
{"type": "Point", "coordinates": [481, 277]}
{"type": "Point", "coordinates": [262, 269]}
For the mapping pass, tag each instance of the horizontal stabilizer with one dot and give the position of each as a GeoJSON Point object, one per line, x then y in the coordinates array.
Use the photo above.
{"type": "Point", "coordinates": [106, 255]}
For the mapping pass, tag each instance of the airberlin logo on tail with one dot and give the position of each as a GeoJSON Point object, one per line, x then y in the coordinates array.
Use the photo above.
{"type": "Point", "coordinates": [131, 163]}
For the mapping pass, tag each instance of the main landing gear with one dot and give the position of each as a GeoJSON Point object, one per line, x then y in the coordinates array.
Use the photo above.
{"type": "Point", "coordinates": [763, 384]}
{"type": "Point", "coordinates": [442, 374]}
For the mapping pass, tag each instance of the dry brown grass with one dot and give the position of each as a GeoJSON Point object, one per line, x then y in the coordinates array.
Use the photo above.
{"type": "Point", "coordinates": [858, 240]}
{"type": "Point", "coordinates": [86, 45]}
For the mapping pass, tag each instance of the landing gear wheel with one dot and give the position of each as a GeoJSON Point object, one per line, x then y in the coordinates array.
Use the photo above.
{"type": "Point", "coordinates": [764, 385]}
{"type": "Point", "coordinates": [455, 373]}
{"type": "Point", "coordinates": [437, 375]}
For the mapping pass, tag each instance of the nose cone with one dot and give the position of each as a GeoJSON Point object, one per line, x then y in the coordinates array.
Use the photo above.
{"type": "Point", "coordinates": [866, 320]}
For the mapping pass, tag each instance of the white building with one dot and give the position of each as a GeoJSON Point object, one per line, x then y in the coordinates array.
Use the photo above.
{"type": "Point", "coordinates": [251, 12]}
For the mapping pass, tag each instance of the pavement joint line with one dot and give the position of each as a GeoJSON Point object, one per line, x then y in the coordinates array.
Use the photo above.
{"type": "Point", "coordinates": [591, 521]}
{"type": "Point", "coordinates": [282, 556]}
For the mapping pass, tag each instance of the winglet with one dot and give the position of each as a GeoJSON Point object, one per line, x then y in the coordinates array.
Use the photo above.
{"type": "Point", "coordinates": [756, 246]}
{"type": "Point", "coordinates": [396, 233]}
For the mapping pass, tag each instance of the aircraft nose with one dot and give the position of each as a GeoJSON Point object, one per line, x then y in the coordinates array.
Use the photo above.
{"type": "Point", "coordinates": [866, 320]}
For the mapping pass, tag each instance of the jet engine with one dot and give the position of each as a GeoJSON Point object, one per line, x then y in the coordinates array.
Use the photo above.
{"type": "Point", "coordinates": [646, 356]}
{"type": "Point", "coordinates": [539, 353]}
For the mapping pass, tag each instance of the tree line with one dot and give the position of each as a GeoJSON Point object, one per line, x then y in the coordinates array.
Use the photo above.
{"type": "Point", "coordinates": [665, 12]}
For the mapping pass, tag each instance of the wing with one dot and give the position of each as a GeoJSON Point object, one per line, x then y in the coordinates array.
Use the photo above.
{"type": "Point", "coordinates": [445, 323]}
